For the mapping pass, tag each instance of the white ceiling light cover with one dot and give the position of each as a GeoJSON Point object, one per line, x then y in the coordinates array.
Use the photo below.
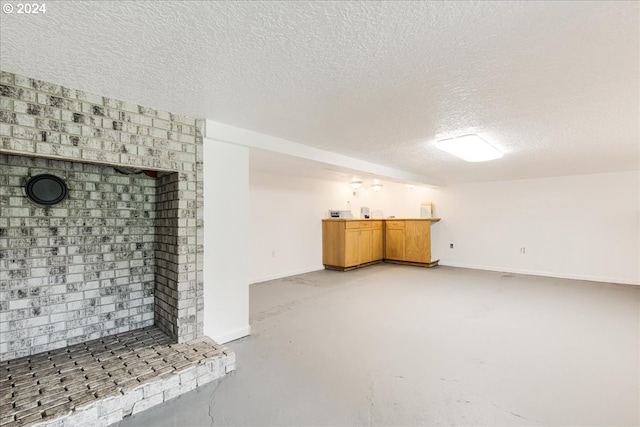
{"type": "Point", "coordinates": [356, 183]}
{"type": "Point", "coordinates": [471, 148]}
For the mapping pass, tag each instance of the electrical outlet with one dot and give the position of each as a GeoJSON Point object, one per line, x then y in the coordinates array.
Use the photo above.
{"type": "Point", "coordinates": [450, 245]}
{"type": "Point", "coordinates": [523, 250]}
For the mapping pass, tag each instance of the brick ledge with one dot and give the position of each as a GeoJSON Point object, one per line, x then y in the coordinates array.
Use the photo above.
{"type": "Point", "coordinates": [102, 381]}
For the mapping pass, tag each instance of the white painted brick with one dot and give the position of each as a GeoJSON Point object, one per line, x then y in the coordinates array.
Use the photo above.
{"type": "Point", "coordinates": [140, 120]}
{"type": "Point", "coordinates": [6, 77]}
{"type": "Point", "coordinates": [160, 386]}
{"type": "Point", "coordinates": [90, 97]}
{"type": "Point", "coordinates": [181, 389]}
{"type": "Point", "coordinates": [208, 377]}
{"type": "Point", "coordinates": [107, 406]}
{"type": "Point", "coordinates": [203, 369]}
{"type": "Point", "coordinates": [188, 375]}
{"type": "Point", "coordinates": [58, 422]}
{"type": "Point", "coordinates": [190, 139]}
{"type": "Point", "coordinates": [84, 417]}
{"type": "Point", "coordinates": [158, 133]}
{"type": "Point", "coordinates": [22, 81]}
{"type": "Point", "coordinates": [147, 403]}
{"type": "Point", "coordinates": [230, 357]}
{"type": "Point", "coordinates": [112, 418]}
{"type": "Point", "coordinates": [161, 124]}
{"type": "Point", "coordinates": [74, 129]}
{"type": "Point", "coordinates": [40, 340]}
{"type": "Point", "coordinates": [130, 398]}
{"type": "Point", "coordinates": [18, 304]}
{"type": "Point", "coordinates": [183, 119]}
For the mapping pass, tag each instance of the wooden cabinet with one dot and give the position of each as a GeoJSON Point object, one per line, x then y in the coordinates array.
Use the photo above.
{"type": "Point", "coordinates": [351, 247]}
{"type": "Point", "coordinates": [408, 241]}
{"type": "Point", "coordinates": [394, 248]}
{"type": "Point", "coordinates": [348, 244]}
{"type": "Point", "coordinates": [417, 239]}
{"type": "Point", "coordinates": [365, 246]}
{"type": "Point", "coordinates": [377, 243]}
{"type": "Point", "coordinates": [351, 243]}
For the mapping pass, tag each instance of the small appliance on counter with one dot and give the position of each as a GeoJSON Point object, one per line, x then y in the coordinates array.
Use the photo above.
{"type": "Point", "coordinates": [340, 214]}
{"type": "Point", "coordinates": [364, 212]}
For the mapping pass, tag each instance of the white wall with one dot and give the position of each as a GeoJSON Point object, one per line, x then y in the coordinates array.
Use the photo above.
{"type": "Point", "coordinates": [286, 214]}
{"type": "Point", "coordinates": [582, 227]}
{"type": "Point", "coordinates": [226, 241]}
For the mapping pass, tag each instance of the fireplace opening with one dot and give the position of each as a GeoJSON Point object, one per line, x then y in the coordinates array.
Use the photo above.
{"type": "Point", "coordinates": [98, 263]}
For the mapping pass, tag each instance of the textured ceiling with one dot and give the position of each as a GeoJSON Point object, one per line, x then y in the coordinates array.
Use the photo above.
{"type": "Point", "coordinates": [555, 85]}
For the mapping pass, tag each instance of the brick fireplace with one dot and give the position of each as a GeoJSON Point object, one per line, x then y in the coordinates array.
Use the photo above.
{"type": "Point", "coordinates": [123, 252]}
{"type": "Point", "coordinates": [89, 266]}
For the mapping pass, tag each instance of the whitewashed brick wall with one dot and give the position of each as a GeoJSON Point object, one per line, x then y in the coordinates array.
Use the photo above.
{"type": "Point", "coordinates": [48, 128]}
{"type": "Point", "coordinates": [80, 270]}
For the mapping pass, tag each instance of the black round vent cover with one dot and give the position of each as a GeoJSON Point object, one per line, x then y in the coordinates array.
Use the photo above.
{"type": "Point", "coordinates": [46, 189]}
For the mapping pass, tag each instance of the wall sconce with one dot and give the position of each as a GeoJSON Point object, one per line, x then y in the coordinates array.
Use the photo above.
{"type": "Point", "coordinates": [355, 184]}
{"type": "Point", "coordinates": [376, 186]}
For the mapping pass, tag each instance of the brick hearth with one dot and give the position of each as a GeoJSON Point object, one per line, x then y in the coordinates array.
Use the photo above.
{"type": "Point", "coordinates": [101, 381]}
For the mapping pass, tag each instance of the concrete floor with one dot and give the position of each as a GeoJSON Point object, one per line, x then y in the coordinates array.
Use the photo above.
{"type": "Point", "coordinates": [395, 345]}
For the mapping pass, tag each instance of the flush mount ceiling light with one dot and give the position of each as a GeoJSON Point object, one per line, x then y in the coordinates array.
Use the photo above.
{"type": "Point", "coordinates": [355, 184]}
{"type": "Point", "coordinates": [471, 148]}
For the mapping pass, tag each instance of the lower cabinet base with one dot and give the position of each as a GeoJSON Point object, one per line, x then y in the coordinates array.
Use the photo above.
{"type": "Point", "coordinates": [417, 264]}
{"type": "Point", "coordinates": [335, 267]}
{"type": "Point", "coordinates": [390, 261]}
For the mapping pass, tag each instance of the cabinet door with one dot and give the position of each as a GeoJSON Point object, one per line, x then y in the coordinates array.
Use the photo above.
{"type": "Point", "coordinates": [351, 247]}
{"type": "Point", "coordinates": [394, 243]}
{"type": "Point", "coordinates": [333, 243]}
{"type": "Point", "coordinates": [365, 246]}
{"type": "Point", "coordinates": [377, 249]}
{"type": "Point", "coordinates": [417, 240]}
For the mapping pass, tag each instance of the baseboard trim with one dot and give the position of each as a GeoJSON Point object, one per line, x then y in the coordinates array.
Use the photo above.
{"type": "Point", "coordinates": [287, 274]}
{"type": "Point", "coordinates": [232, 335]}
{"type": "Point", "coordinates": [542, 273]}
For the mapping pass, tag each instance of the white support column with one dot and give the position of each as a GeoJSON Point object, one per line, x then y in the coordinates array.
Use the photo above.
{"type": "Point", "coordinates": [226, 240]}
